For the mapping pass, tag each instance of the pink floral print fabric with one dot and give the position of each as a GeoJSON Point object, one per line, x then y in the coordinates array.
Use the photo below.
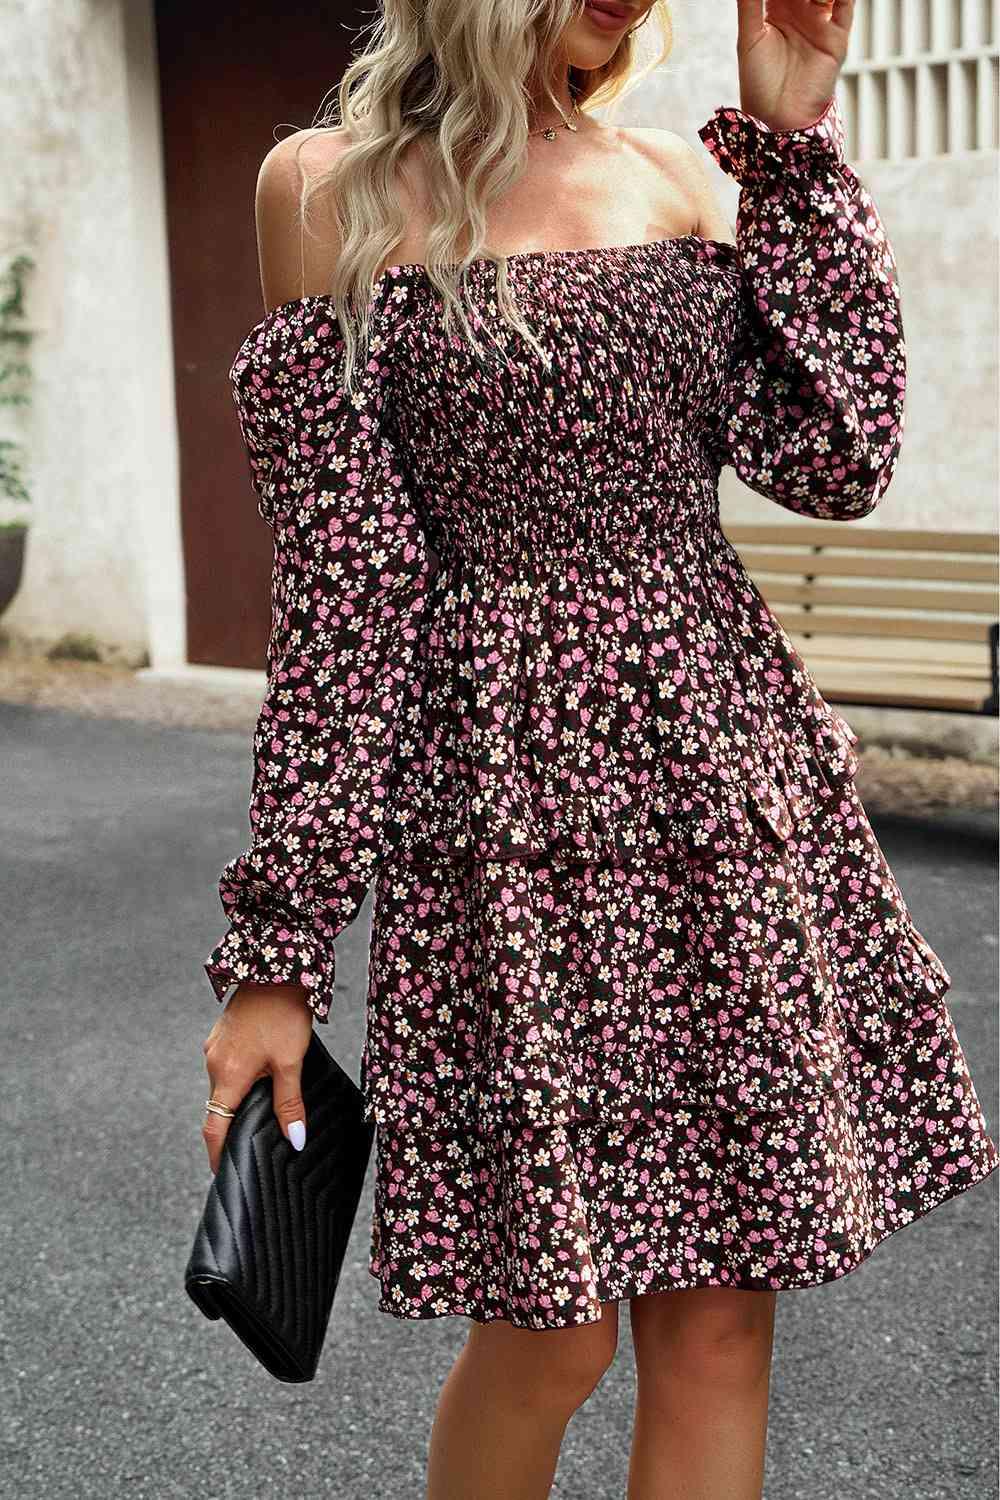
{"type": "Point", "coordinates": [646, 1006]}
{"type": "Point", "coordinates": [735, 1072]}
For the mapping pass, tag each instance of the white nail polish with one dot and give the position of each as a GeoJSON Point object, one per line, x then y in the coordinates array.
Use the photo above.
{"type": "Point", "coordinates": [297, 1134]}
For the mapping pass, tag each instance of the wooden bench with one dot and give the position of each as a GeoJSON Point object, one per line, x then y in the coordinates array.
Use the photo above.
{"type": "Point", "coordinates": [903, 618]}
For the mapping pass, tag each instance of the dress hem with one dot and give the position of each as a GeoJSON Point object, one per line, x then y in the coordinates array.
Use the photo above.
{"type": "Point", "coordinates": [952, 1189]}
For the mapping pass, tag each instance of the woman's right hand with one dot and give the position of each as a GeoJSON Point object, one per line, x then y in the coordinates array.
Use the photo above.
{"type": "Point", "coordinates": [263, 1032]}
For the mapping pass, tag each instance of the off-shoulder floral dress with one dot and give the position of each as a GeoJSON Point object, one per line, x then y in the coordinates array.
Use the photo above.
{"type": "Point", "coordinates": [646, 1006]}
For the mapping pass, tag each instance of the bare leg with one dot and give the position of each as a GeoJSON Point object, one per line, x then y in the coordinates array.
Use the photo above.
{"type": "Point", "coordinates": [703, 1362]}
{"type": "Point", "coordinates": [505, 1404]}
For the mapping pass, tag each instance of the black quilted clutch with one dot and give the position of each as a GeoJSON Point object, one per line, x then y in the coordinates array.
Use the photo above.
{"type": "Point", "coordinates": [271, 1242]}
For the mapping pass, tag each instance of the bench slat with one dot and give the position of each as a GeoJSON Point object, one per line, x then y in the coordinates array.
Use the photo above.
{"type": "Point", "coordinates": [827, 565]}
{"type": "Point", "coordinates": [886, 596]}
{"type": "Point", "coordinates": [939, 671]}
{"type": "Point", "coordinates": [911, 627]}
{"type": "Point", "coordinates": [970, 656]}
{"type": "Point", "coordinates": [844, 534]}
{"type": "Point", "coordinates": [906, 692]}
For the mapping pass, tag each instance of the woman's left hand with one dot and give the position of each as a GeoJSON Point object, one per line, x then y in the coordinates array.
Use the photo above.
{"type": "Point", "coordinates": [790, 54]}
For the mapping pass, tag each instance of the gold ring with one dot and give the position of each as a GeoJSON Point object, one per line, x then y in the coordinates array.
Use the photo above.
{"type": "Point", "coordinates": [213, 1107]}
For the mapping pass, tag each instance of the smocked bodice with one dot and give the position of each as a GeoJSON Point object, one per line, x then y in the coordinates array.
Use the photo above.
{"type": "Point", "coordinates": [608, 449]}
{"type": "Point", "coordinates": [506, 620]}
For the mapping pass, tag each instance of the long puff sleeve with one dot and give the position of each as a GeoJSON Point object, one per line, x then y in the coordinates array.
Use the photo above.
{"type": "Point", "coordinates": [813, 413]}
{"type": "Point", "coordinates": [349, 585]}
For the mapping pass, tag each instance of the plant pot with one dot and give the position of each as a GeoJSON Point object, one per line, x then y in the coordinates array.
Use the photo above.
{"type": "Point", "coordinates": [11, 562]}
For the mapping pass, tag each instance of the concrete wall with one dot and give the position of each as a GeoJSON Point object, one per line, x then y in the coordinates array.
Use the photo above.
{"type": "Point", "coordinates": [80, 190]}
{"type": "Point", "coordinates": [941, 214]}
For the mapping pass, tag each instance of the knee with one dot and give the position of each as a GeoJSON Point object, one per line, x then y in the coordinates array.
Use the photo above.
{"type": "Point", "coordinates": [571, 1374]}
{"type": "Point", "coordinates": [714, 1340]}
{"type": "Point", "coordinates": [549, 1368]}
{"type": "Point", "coordinates": [731, 1348]}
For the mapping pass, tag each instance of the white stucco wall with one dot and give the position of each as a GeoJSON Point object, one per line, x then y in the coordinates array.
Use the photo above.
{"type": "Point", "coordinates": [941, 214]}
{"type": "Point", "coordinates": [80, 190]}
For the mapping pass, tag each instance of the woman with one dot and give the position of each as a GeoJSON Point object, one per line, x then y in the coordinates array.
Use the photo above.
{"type": "Point", "coordinates": [648, 1017]}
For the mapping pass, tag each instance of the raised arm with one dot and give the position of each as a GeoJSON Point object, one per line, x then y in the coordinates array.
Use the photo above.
{"type": "Point", "coordinates": [811, 414]}
{"type": "Point", "coordinates": [813, 408]}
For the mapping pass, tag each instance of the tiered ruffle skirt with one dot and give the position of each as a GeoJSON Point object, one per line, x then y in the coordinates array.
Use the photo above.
{"type": "Point", "coordinates": [647, 1007]}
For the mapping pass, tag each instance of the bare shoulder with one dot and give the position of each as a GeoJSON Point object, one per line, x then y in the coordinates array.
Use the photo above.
{"type": "Point", "coordinates": [656, 144]}
{"type": "Point", "coordinates": [667, 152]}
{"type": "Point", "coordinates": [293, 263]}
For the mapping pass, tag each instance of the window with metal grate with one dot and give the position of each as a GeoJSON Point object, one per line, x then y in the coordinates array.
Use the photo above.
{"type": "Point", "coordinates": [920, 78]}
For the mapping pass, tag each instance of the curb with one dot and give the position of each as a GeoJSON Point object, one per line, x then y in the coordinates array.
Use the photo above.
{"type": "Point", "coordinates": [977, 824]}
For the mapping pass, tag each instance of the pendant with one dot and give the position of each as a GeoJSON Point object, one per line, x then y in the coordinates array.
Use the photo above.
{"type": "Point", "coordinates": [549, 132]}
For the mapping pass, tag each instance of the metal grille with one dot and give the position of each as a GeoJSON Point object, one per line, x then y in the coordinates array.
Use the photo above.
{"type": "Point", "coordinates": [920, 78]}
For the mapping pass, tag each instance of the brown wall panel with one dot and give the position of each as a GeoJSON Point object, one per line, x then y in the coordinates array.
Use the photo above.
{"type": "Point", "coordinates": [233, 78]}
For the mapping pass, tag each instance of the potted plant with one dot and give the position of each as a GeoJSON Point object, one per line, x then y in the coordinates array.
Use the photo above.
{"type": "Point", "coordinates": [15, 378]}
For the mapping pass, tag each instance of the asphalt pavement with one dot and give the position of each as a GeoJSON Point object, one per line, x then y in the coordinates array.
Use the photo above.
{"type": "Point", "coordinates": [113, 1385]}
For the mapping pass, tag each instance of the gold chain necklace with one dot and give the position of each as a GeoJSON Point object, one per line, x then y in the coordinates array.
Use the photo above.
{"type": "Point", "coordinates": [551, 131]}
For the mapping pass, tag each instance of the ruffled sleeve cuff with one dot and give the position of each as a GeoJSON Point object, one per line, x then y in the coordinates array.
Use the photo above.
{"type": "Point", "coordinates": [258, 950]}
{"type": "Point", "coordinates": [750, 151]}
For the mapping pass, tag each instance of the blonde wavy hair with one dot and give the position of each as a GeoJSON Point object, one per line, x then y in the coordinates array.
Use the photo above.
{"type": "Point", "coordinates": [459, 77]}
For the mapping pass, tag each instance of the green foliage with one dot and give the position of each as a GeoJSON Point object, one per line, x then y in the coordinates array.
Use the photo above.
{"type": "Point", "coordinates": [12, 486]}
{"type": "Point", "coordinates": [74, 647]}
{"type": "Point", "coordinates": [15, 367]}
